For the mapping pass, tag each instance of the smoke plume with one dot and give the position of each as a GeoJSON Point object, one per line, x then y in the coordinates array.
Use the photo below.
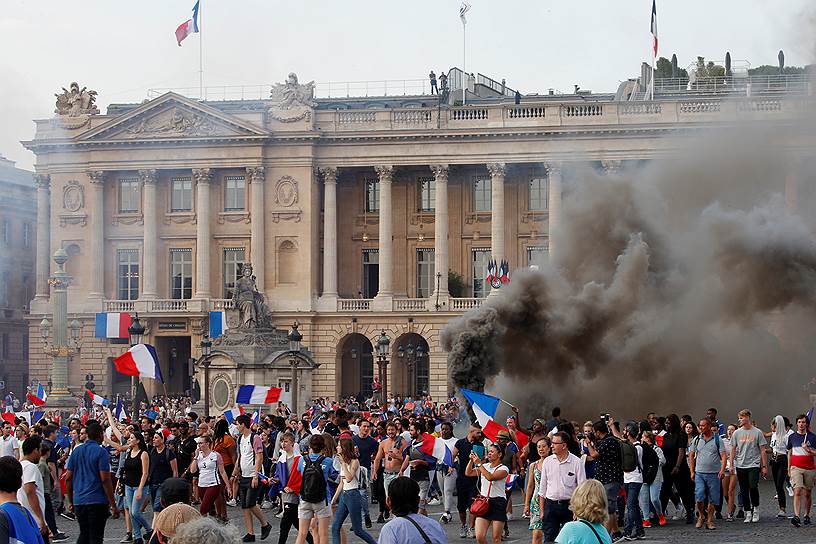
{"type": "Point", "coordinates": [683, 284]}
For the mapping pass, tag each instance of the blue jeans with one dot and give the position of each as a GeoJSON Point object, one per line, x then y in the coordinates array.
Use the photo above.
{"type": "Point", "coordinates": [350, 504]}
{"type": "Point", "coordinates": [650, 498]}
{"type": "Point", "coordinates": [634, 519]}
{"type": "Point", "coordinates": [155, 494]}
{"type": "Point", "coordinates": [364, 500]}
{"type": "Point", "coordinates": [140, 523]}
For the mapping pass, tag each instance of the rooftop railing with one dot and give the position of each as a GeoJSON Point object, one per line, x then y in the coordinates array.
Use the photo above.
{"type": "Point", "coordinates": [739, 84]}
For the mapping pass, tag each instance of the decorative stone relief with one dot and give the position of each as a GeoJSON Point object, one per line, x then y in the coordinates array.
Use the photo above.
{"type": "Point", "coordinates": [76, 102]}
{"type": "Point", "coordinates": [291, 101]}
{"type": "Point", "coordinates": [175, 122]}
{"type": "Point", "coordinates": [286, 191]}
{"type": "Point", "coordinates": [73, 196]}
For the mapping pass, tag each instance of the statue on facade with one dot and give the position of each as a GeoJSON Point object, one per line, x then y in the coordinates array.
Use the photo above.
{"type": "Point", "coordinates": [249, 302]}
{"type": "Point", "coordinates": [291, 101]}
{"type": "Point", "coordinates": [74, 102]}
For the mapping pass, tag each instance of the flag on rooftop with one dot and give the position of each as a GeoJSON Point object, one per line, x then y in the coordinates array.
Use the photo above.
{"type": "Point", "coordinates": [463, 9]}
{"type": "Point", "coordinates": [190, 26]}
{"type": "Point", "coordinates": [653, 28]}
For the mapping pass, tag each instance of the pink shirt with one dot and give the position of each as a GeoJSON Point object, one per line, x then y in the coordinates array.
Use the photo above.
{"type": "Point", "coordinates": [560, 478]}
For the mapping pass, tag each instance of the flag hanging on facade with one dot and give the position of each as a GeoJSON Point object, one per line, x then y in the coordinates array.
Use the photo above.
{"type": "Point", "coordinates": [218, 324]}
{"type": "Point", "coordinates": [112, 325]}
{"type": "Point", "coordinates": [654, 28]}
{"type": "Point", "coordinates": [463, 9]}
{"type": "Point", "coordinates": [190, 26]}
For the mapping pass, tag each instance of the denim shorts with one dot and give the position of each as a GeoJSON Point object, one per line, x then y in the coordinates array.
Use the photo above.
{"type": "Point", "coordinates": [707, 486]}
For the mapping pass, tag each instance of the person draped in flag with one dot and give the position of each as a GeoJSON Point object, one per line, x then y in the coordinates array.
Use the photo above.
{"type": "Point", "coordinates": [347, 497]}
{"type": "Point", "coordinates": [212, 478]}
{"type": "Point", "coordinates": [288, 479]}
{"type": "Point", "coordinates": [446, 475]}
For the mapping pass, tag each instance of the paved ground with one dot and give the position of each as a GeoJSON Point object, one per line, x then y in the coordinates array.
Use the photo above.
{"type": "Point", "coordinates": [769, 529]}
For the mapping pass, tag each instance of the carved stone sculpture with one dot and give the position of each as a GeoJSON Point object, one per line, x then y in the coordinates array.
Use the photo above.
{"type": "Point", "coordinates": [249, 302]}
{"type": "Point", "coordinates": [76, 101]}
{"type": "Point", "coordinates": [292, 101]}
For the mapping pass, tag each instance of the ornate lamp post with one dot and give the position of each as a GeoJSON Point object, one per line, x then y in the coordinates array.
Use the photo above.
{"type": "Point", "coordinates": [294, 350]}
{"type": "Point", "coordinates": [382, 364]}
{"type": "Point", "coordinates": [206, 349]}
{"type": "Point", "coordinates": [60, 348]}
{"type": "Point", "coordinates": [136, 332]}
{"type": "Point", "coordinates": [412, 357]}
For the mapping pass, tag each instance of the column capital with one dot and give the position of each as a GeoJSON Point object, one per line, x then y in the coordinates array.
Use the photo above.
{"type": "Point", "coordinates": [256, 174]}
{"type": "Point", "coordinates": [385, 172]}
{"type": "Point", "coordinates": [148, 176]}
{"type": "Point", "coordinates": [97, 177]}
{"type": "Point", "coordinates": [497, 169]}
{"type": "Point", "coordinates": [329, 173]}
{"type": "Point", "coordinates": [42, 181]}
{"type": "Point", "coordinates": [611, 167]}
{"type": "Point", "coordinates": [553, 168]}
{"type": "Point", "coordinates": [440, 172]}
{"type": "Point", "coordinates": [202, 176]}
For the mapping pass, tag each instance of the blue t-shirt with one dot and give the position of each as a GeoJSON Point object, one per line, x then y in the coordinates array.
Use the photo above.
{"type": "Point", "coordinates": [401, 531]}
{"type": "Point", "coordinates": [577, 532]}
{"type": "Point", "coordinates": [328, 472]}
{"type": "Point", "coordinates": [86, 462]}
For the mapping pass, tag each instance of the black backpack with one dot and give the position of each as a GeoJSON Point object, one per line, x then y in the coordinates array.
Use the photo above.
{"type": "Point", "coordinates": [313, 485]}
{"type": "Point", "coordinates": [651, 464]}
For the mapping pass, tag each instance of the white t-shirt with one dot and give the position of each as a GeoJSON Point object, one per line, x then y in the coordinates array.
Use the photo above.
{"type": "Point", "coordinates": [8, 445]}
{"type": "Point", "coordinates": [636, 476]}
{"type": "Point", "coordinates": [497, 489]}
{"type": "Point", "coordinates": [355, 482]}
{"type": "Point", "coordinates": [208, 469]}
{"type": "Point", "coordinates": [31, 474]}
{"type": "Point", "coordinates": [248, 454]}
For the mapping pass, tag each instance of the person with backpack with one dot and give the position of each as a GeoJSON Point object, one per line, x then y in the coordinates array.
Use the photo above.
{"type": "Point", "coordinates": [632, 465]}
{"type": "Point", "coordinates": [653, 461]}
{"type": "Point", "coordinates": [606, 450]}
{"type": "Point", "coordinates": [707, 464]}
{"type": "Point", "coordinates": [348, 497]}
{"type": "Point", "coordinates": [16, 522]}
{"type": "Point", "coordinates": [247, 467]}
{"type": "Point", "coordinates": [315, 470]}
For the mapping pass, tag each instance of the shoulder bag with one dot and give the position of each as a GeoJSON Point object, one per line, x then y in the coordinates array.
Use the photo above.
{"type": "Point", "coordinates": [424, 535]}
{"type": "Point", "coordinates": [480, 504]}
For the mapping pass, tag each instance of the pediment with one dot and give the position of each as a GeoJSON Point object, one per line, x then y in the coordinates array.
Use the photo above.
{"type": "Point", "coordinates": [171, 116]}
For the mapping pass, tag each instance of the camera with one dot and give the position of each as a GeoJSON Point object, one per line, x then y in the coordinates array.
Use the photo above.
{"type": "Point", "coordinates": [581, 436]}
{"type": "Point", "coordinates": [606, 417]}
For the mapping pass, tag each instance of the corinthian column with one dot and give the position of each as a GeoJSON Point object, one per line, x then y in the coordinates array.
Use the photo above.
{"type": "Point", "coordinates": [203, 177]}
{"type": "Point", "coordinates": [43, 182]}
{"type": "Point", "coordinates": [257, 242]}
{"type": "Point", "coordinates": [497, 174]}
{"type": "Point", "coordinates": [329, 234]}
{"type": "Point", "coordinates": [97, 287]}
{"type": "Point", "coordinates": [385, 292]}
{"type": "Point", "coordinates": [441, 231]}
{"type": "Point", "coordinates": [553, 202]}
{"type": "Point", "coordinates": [150, 236]}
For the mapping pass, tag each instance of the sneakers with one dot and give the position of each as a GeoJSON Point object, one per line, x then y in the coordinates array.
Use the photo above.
{"type": "Point", "coordinates": [806, 520]}
{"type": "Point", "coordinates": [265, 506]}
{"type": "Point", "coordinates": [59, 537]}
{"type": "Point", "coordinates": [647, 524]}
{"type": "Point", "coordinates": [434, 502]}
{"type": "Point", "coordinates": [795, 521]}
{"type": "Point", "coordinates": [781, 514]}
{"type": "Point", "coordinates": [729, 517]}
{"type": "Point", "coordinates": [445, 518]}
{"type": "Point", "coordinates": [380, 519]}
{"type": "Point", "coordinates": [68, 515]}
{"type": "Point", "coordinates": [470, 533]}
{"type": "Point", "coordinates": [232, 502]}
{"type": "Point", "coordinates": [680, 513]}
{"type": "Point", "coordinates": [248, 538]}
{"type": "Point", "coordinates": [640, 535]}
{"type": "Point", "coordinates": [127, 539]}
{"type": "Point", "coordinates": [265, 530]}
{"type": "Point", "coordinates": [755, 516]}
{"type": "Point", "coordinates": [510, 516]}
{"type": "Point", "coordinates": [618, 537]}
{"type": "Point", "coordinates": [368, 522]}
{"type": "Point", "coordinates": [747, 516]}
{"type": "Point", "coordinates": [661, 520]}
{"type": "Point", "coordinates": [506, 533]}
{"type": "Point", "coordinates": [740, 514]}
{"type": "Point", "coordinates": [463, 531]}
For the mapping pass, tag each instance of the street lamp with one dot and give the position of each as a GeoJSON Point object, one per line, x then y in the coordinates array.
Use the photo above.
{"type": "Point", "coordinates": [136, 332]}
{"type": "Point", "coordinates": [206, 349]}
{"type": "Point", "coordinates": [382, 364]}
{"type": "Point", "coordinates": [294, 350]}
{"type": "Point", "coordinates": [412, 356]}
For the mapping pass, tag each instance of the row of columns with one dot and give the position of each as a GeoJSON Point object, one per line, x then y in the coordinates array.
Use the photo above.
{"type": "Point", "coordinates": [148, 177]}
{"type": "Point", "coordinates": [385, 174]}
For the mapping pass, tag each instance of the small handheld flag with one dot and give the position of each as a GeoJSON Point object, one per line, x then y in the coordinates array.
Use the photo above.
{"type": "Point", "coordinates": [40, 397]}
{"type": "Point", "coordinates": [190, 26]}
{"type": "Point", "coordinates": [120, 414]}
{"type": "Point", "coordinates": [230, 415]}
{"type": "Point", "coordinates": [97, 399]}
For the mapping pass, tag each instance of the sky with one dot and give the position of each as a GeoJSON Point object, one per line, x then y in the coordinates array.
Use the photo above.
{"type": "Point", "coordinates": [122, 49]}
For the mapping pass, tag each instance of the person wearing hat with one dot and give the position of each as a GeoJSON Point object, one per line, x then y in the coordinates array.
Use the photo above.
{"type": "Point", "coordinates": [169, 519]}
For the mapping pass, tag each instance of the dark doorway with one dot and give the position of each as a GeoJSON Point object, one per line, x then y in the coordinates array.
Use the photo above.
{"type": "Point", "coordinates": [174, 357]}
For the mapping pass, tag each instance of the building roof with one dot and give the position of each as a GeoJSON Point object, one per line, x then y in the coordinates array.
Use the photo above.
{"type": "Point", "coordinates": [11, 174]}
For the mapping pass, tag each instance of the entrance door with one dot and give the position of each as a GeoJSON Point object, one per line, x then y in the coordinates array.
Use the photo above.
{"type": "Point", "coordinates": [174, 358]}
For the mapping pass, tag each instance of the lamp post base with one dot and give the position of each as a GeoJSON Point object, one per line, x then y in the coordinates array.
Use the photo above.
{"type": "Point", "coordinates": [63, 403]}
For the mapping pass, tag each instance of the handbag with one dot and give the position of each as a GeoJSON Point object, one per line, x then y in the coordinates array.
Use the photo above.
{"type": "Point", "coordinates": [480, 504]}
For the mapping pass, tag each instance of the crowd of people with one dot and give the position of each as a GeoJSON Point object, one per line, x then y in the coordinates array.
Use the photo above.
{"type": "Point", "coordinates": [604, 481]}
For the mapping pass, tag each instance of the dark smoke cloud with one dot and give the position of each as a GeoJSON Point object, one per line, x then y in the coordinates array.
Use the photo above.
{"type": "Point", "coordinates": [680, 285]}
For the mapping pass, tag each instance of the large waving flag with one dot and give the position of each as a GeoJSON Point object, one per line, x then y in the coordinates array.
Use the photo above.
{"type": "Point", "coordinates": [141, 360]}
{"type": "Point", "coordinates": [484, 408]}
{"type": "Point", "coordinates": [40, 397]}
{"type": "Point", "coordinates": [436, 448]}
{"type": "Point", "coordinates": [255, 394]}
{"type": "Point", "coordinates": [190, 26]}
{"type": "Point", "coordinates": [112, 325]}
{"type": "Point", "coordinates": [97, 399]}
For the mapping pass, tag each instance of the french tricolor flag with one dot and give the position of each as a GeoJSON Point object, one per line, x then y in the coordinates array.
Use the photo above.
{"type": "Point", "coordinates": [484, 407]}
{"type": "Point", "coordinates": [190, 26]}
{"type": "Point", "coordinates": [112, 324]}
{"type": "Point", "coordinates": [97, 399]}
{"type": "Point", "coordinates": [230, 415]}
{"type": "Point", "coordinates": [254, 394]}
{"type": "Point", "coordinates": [218, 324]}
{"type": "Point", "coordinates": [256, 417]}
{"type": "Point", "coordinates": [141, 360]}
{"type": "Point", "coordinates": [436, 448]}
{"type": "Point", "coordinates": [40, 398]}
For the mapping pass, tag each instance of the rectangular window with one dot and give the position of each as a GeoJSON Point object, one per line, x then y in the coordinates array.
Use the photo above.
{"type": "Point", "coordinates": [234, 193]}
{"type": "Point", "coordinates": [482, 196]}
{"type": "Point", "coordinates": [129, 195]}
{"type": "Point", "coordinates": [6, 232]}
{"type": "Point", "coordinates": [233, 265]}
{"type": "Point", "coordinates": [427, 194]}
{"type": "Point", "coordinates": [372, 195]}
{"type": "Point", "coordinates": [181, 194]}
{"type": "Point", "coordinates": [425, 280]}
{"type": "Point", "coordinates": [537, 256]}
{"type": "Point", "coordinates": [127, 274]}
{"type": "Point", "coordinates": [26, 235]}
{"type": "Point", "coordinates": [481, 257]}
{"type": "Point", "coordinates": [371, 273]}
{"type": "Point", "coordinates": [181, 273]}
{"type": "Point", "coordinates": [26, 280]}
{"type": "Point", "coordinates": [538, 194]}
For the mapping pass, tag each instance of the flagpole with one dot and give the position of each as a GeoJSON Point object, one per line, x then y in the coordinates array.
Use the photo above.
{"type": "Point", "coordinates": [464, 63]}
{"type": "Point", "coordinates": [200, 50]}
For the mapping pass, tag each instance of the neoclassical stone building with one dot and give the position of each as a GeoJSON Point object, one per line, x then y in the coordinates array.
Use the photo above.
{"type": "Point", "coordinates": [358, 215]}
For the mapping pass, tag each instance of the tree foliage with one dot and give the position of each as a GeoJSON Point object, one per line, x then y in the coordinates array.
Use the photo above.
{"type": "Point", "coordinates": [771, 70]}
{"type": "Point", "coordinates": [708, 69]}
{"type": "Point", "coordinates": [663, 69]}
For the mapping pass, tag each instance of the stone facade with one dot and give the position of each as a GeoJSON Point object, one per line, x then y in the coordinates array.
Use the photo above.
{"type": "Point", "coordinates": [345, 211]}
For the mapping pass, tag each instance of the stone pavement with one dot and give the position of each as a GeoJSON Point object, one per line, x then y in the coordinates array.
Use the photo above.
{"type": "Point", "coordinates": [769, 529]}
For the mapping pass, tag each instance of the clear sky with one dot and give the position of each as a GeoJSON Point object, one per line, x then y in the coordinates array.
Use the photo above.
{"type": "Point", "coordinates": [121, 48]}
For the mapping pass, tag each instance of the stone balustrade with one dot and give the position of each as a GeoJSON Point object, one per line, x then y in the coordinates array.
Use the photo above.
{"type": "Point", "coordinates": [464, 304]}
{"type": "Point", "coordinates": [410, 304]}
{"type": "Point", "coordinates": [120, 305]}
{"type": "Point", "coordinates": [353, 304]}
